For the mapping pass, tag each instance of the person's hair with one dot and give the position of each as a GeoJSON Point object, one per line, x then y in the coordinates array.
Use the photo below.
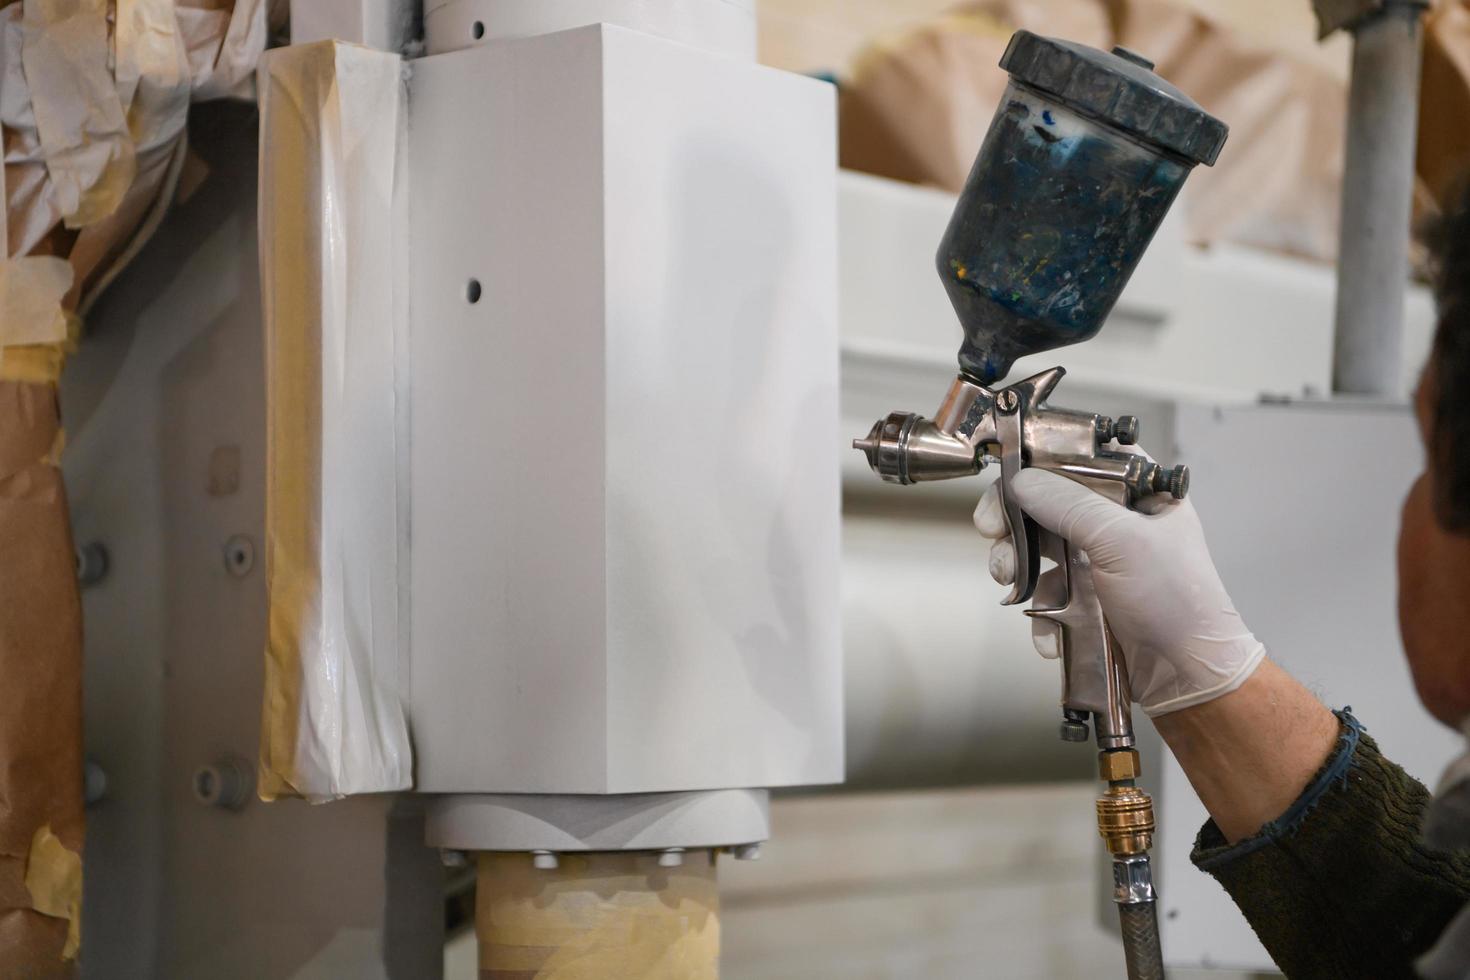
{"type": "Point", "coordinates": [1449, 397]}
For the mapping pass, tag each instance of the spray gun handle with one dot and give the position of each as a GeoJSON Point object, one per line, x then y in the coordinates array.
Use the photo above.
{"type": "Point", "coordinates": [1094, 676]}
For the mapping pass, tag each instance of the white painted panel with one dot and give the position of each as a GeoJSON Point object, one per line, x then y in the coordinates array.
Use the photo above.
{"type": "Point", "coordinates": [505, 149]}
{"type": "Point", "coordinates": [722, 473]}
{"type": "Point", "coordinates": [625, 536]}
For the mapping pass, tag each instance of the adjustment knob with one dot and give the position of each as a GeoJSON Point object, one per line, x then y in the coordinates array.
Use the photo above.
{"type": "Point", "coordinates": [1074, 731]}
{"type": "Point", "coordinates": [1173, 481]}
{"type": "Point", "coordinates": [1179, 481]}
{"type": "Point", "coordinates": [1125, 430]}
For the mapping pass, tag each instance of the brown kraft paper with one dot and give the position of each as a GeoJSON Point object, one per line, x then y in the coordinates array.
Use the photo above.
{"type": "Point", "coordinates": [41, 803]}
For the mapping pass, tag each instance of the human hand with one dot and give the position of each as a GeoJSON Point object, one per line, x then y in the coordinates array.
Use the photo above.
{"type": "Point", "coordinates": [1182, 639]}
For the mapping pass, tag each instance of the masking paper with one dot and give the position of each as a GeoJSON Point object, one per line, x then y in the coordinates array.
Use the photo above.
{"type": "Point", "coordinates": [41, 820]}
{"type": "Point", "coordinates": [597, 915]}
{"type": "Point", "coordinates": [331, 221]}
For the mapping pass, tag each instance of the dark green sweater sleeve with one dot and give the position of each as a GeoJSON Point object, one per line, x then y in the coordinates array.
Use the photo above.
{"type": "Point", "coordinates": [1341, 885]}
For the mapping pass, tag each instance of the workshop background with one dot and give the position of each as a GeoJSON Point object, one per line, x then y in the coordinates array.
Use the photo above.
{"type": "Point", "coordinates": [963, 842]}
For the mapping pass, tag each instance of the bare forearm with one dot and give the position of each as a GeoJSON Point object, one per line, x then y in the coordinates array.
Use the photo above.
{"type": "Point", "coordinates": [1250, 753]}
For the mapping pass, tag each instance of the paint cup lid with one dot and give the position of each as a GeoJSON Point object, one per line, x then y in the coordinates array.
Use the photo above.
{"type": "Point", "coordinates": [1119, 89]}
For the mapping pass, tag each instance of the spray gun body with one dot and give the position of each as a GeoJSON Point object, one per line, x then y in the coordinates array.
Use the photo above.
{"type": "Point", "coordinates": [1084, 156]}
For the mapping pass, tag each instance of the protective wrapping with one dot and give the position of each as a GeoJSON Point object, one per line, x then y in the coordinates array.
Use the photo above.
{"type": "Point", "coordinates": [41, 821]}
{"type": "Point", "coordinates": [335, 308]}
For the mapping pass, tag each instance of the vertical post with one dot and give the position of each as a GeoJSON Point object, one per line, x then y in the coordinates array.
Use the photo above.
{"type": "Point", "coordinates": [1377, 193]}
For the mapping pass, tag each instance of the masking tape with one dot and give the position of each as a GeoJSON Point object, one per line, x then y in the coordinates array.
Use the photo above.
{"type": "Point", "coordinates": [598, 915]}
{"type": "Point", "coordinates": [54, 879]}
{"type": "Point", "coordinates": [31, 289]}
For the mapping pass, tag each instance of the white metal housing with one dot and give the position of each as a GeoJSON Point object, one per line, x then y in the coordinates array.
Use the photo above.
{"type": "Point", "coordinates": [624, 426]}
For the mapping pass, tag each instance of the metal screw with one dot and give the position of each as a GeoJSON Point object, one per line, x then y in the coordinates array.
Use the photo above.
{"type": "Point", "coordinates": [1007, 401]}
{"type": "Point", "coordinates": [91, 563]}
{"type": "Point", "coordinates": [1125, 430]}
{"type": "Point", "coordinates": [94, 783]}
{"type": "Point", "coordinates": [239, 555]}
{"type": "Point", "coordinates": [544, 861]}
{"type": "Point", "coordinates": [746, 852]}
{"type": "Point", "coordinates": [671, 857]}
{"type": "Point", "coordinates": [225, 784]}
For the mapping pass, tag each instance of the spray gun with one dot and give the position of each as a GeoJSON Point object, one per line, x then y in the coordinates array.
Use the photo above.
{"type": "Point", "coordinates": [1086, 153]}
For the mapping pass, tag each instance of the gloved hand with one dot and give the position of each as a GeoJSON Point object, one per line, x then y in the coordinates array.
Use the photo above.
{"type": "Point", "coordinates": [1182, 639]}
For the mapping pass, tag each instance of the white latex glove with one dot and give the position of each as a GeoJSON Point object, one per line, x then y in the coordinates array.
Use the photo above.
{"type": "Point", "coordinates": [1182, 639]}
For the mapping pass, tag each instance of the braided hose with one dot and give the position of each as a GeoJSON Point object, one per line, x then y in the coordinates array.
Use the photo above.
{"type": "Point", "coordinates": [1141, 952]}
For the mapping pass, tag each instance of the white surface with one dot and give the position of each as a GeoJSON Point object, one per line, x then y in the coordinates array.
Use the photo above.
{"type": "Point", "coordinates": [1301, 506]}
{"type": "Point", "coordinates": [1226, 322]}
{"type": "Point", "coordinates": [625, 500]}
{"type": "Point", "coordinates": [623, 822]}
{"type": "Point", "coordinates": [334, 301]}
{"type": "Point", "coordinates": [725, 27]}
{"type": "Point", "coordinates": [382, 24]}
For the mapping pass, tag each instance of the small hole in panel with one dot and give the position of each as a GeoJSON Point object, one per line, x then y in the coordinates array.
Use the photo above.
{"type": "Point", "coordinates": [472, 291]}
{"type": "Point", "coordinates": [478, 30]}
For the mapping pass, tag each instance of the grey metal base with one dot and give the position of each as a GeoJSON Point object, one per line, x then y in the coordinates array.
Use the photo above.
{"type": "Point", "coordinates": [629, 822]}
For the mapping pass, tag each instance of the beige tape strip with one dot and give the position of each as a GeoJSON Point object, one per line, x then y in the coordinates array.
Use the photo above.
{"type": "Point", "coordinates": [80, 119]}
{"type": "Point", "coordinates": [31, 290]}
{"type": "Point", "coordinates": [54, 879]}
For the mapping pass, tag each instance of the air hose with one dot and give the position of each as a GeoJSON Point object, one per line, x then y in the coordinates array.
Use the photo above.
{"type": "Point", "coordinates": [1125, 819]}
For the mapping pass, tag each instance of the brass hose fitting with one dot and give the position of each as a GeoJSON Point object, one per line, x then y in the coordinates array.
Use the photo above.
{"type": "Point", "coordinates": [1125, 813]}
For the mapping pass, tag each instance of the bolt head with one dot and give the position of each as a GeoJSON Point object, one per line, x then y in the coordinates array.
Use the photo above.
{"type": "Point", "coordinates": [1125, 430]}
{"type": "Point", "coordinates": [747, 852]}
{"type": "Point", "coordinates": [1007, 401]}
{"type": "Point", "coordinates": [544, 861]}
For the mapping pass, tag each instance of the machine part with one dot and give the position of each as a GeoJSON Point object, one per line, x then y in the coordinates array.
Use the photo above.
{"type": "Point", "coordinates": [92, 563]}
{"type": "Point", "coordinates": [226, 783]}
{"type": "Point", "coordinates": [1133, 880]}
{"type": "Point", "coordinates": [671, 857]}
{"type": "Point", "coordinates": [621, 822]}
{"type": "Point", "coordinates": [239, 555]}
{"type": "Point", "coordinates": [1125, 819]}
{"type": "Point", "coordinates": [621, 914]}
{"type": "Point", "coordinates": [1377, 198]}
{"type": "Point", "coordinates": [746, 852]}
{"type": "Point", "coordinates": [674, 654]}
{"type": "Point", "coordinates": [452, 857]}
{"type": "Point", "coordinates": [1075, 731]}
{"type": "Point", "coordinates": [1082, 161]}
{"type": "Point", "coordinates": [723, 27]}
{"type": "Point", "coordinates": [1118, 765]}
{"type": "Point", "coordinates": [545, 860]}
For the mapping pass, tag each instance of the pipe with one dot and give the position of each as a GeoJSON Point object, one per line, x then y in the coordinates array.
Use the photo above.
{"type": "Point", "coordinates": [1377, 192]}
{"type": "Point", "coordinates": [597, 914]}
